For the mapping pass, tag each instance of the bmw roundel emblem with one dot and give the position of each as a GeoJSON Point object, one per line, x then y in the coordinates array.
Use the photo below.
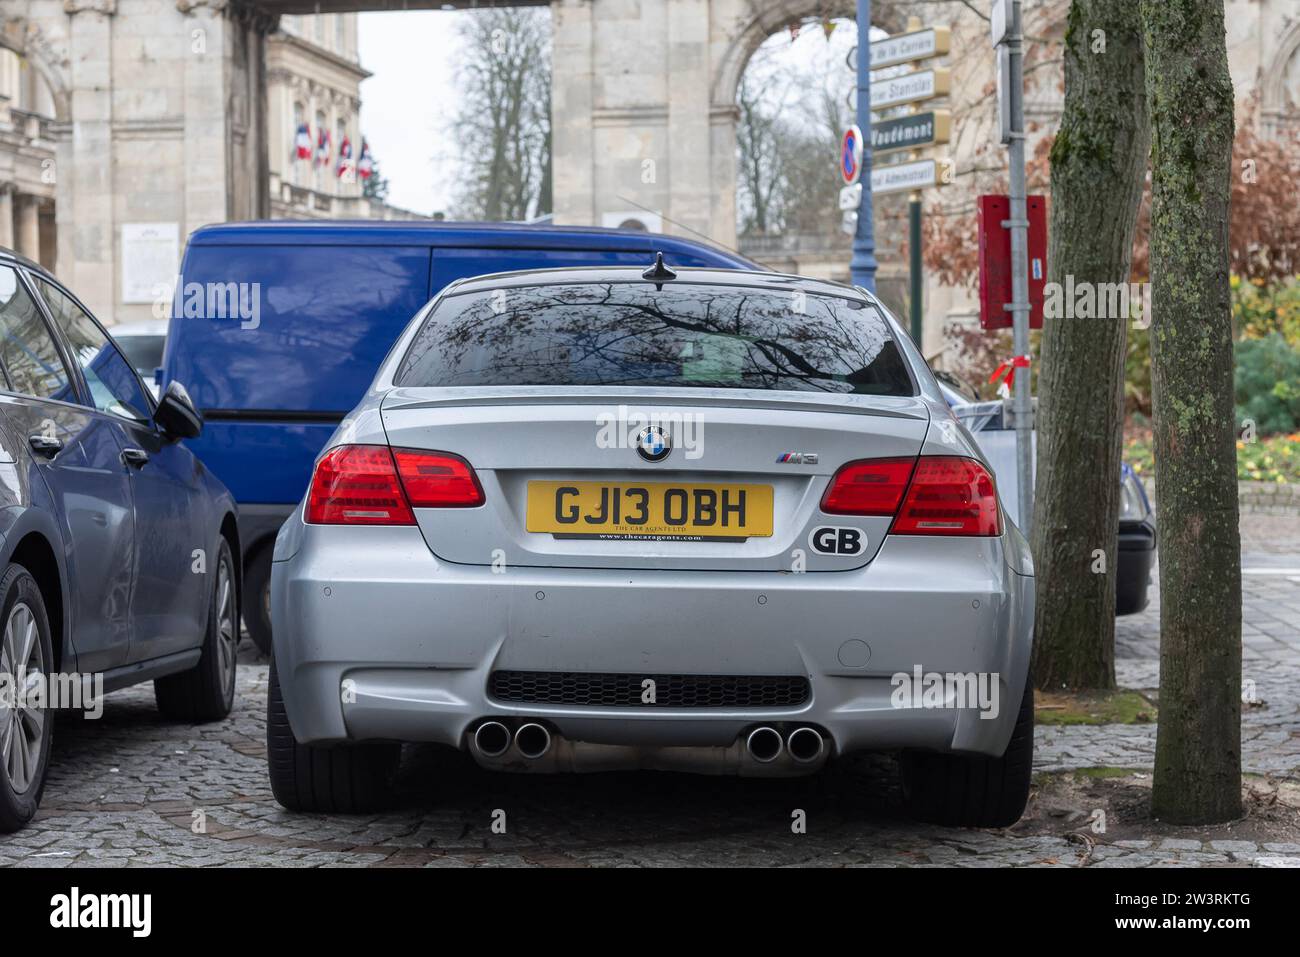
{"type": "Point", "coordinates": [653, 444]}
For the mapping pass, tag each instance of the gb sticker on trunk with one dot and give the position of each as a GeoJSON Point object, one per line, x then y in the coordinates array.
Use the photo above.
{"type": "Point", "coordinates": [837, 540]}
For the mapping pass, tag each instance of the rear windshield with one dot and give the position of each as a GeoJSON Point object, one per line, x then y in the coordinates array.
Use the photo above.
{"type": "Point", "coordinates": [630, 334]}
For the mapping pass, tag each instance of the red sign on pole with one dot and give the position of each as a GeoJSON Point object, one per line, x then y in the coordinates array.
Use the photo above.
{"type": "Point", "coordinates": [995, 261]}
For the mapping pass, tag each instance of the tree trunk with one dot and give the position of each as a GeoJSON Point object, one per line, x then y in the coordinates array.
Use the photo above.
{"type": "Point", "coordinates": [1189, 91]}
{"type": "Point", "coordinates": [1099, 163]}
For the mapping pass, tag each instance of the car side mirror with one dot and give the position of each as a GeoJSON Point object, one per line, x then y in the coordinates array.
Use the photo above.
{"type": "Point", "coordinates": [176, 415]}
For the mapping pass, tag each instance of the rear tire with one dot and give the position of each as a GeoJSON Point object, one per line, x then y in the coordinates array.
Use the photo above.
{"type": "Point", "coordinates": [971, 790]}
{"type": "Point", "coordinates": [25, 734]}
{"type": "Point", "coordinates": [334, 779]}
{"type": "Point", "coordinates": [207, 691]}
{"type": "Point", "coordinates": [257, 609]}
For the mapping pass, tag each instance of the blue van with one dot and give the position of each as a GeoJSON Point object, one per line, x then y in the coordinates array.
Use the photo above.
{"type": "Point", "coordinates": [277, 329]}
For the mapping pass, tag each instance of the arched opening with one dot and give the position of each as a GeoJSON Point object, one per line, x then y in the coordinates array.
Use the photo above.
{"type": "Point", "coordinates": [37, 81]}
{"type": "Point", "coordinates": [1280, 88]}
{"type": "Point", "coordinates": [793, 92]}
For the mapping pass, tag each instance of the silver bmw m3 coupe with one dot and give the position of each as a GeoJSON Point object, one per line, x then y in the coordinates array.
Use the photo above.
{"type": "Point", "coordinates": [697, 520]}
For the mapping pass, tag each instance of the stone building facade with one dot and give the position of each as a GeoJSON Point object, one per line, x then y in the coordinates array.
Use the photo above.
{"type": "Point", "coordinates": [313, 79]}
{"type": "Point", "coordinates": [27, 168]}
{"type": "Point", "coordinates": [645, 110]}
{"type": "Point", "coordinates": [164, 115]}
{"type": "Point", "coordinates": [127, 124]}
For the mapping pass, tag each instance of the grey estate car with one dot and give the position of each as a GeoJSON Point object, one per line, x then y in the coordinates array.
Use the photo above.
{"type": "Point", "coordinates": [608, 518]}
{"type": "Point", "coordinates": [116, 544]}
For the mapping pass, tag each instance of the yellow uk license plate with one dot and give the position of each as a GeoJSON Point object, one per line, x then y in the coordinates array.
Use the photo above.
{"type": "Point", "coordinates": [650, 511]}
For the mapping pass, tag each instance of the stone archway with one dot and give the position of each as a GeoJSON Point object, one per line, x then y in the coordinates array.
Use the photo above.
{"type": "Point", "coordinates": [758, 21]}
{"type": "Point", "coordinates": [754, 23]}
{"type": "Point", "coordinates": [644, 105]}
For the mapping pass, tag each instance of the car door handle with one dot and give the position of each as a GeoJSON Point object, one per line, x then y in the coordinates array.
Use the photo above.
{"type": "Point", "coordinates": [137, 457]}
{"type": "Point", "coordinates": [45, 444]}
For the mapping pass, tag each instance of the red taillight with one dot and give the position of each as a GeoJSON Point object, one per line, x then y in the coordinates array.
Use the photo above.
{"type": "Point", "coordinates": [869, 487]}
{"type": "Point", "coordinates": [437, 479]}
{"type": "Point", "coordinates": [357, 485]}
{"type": "Point", "coordinates": [375, 485]}
{"type": "Point", "coordinates": [949, 496]}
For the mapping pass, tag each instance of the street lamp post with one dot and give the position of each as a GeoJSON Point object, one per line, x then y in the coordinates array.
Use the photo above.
{"type": "Point", "coordinates": [863, 265]}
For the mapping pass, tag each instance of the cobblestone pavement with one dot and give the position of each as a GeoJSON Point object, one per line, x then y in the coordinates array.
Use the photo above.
{"type": "Point", "coordinates": [133, 789]}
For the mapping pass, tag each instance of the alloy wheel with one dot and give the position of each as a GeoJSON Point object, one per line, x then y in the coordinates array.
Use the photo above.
{"type": "Point", "coordinates": [227, 634]}
{"type": "Point", "coordinates": [22, 722]}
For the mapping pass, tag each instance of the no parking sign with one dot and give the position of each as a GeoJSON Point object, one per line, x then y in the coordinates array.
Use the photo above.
{"type": "Point", "coordinates": [851, 155]}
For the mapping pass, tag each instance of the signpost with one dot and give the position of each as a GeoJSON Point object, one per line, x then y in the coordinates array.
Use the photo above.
{"type": "Point", "coordinates": [904, 177]}
{"type": "Point", "coordinates": [911, 88]}
{"type": "Point", "coordinates": [911, 132]}
{"type": "Point", "coordinates": [907, 47]}
{"type": "Point", "coordinates": [1006, 25]}
{"type": "Point", "coordinates": [863, 265]}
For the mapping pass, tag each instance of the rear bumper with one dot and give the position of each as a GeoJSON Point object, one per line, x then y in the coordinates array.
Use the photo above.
{"type": "Point", "coordinates": [375, 638]}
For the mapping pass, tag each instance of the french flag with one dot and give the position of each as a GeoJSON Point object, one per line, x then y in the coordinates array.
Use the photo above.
{"type": "Point", "coordinates": [302, 142]}
{"type": "Point", "coordinates": [345, 157]}
{"type": "Point", "coordinates": [365, 165]}
{"type": "Point", "coordinates": [323, 148]}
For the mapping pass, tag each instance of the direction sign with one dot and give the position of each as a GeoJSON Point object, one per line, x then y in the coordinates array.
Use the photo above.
{"type": "Point", "coordinates": [1000, 18]}
{"type": "Point", "coordinates": [902, 177]}
{"type": "Point", "coordinates": [907, 47]}
{"type": "Point", "coordinates": [851, 155]}
{"type": "Point", "coordinates": [911, 132]}
{"type": "Point", "coordinates": [911, 88]}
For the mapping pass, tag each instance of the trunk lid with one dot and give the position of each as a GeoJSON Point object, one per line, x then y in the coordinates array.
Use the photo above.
{"type": "Point", "coordinates": [725, 442]}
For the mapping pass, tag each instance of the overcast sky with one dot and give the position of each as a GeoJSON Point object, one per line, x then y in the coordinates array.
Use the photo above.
{"type": "Point", "coordinates": [408, 103]}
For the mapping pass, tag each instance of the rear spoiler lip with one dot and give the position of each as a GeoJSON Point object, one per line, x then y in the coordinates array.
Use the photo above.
{"type": "Point", "coordinates": [899, 407]}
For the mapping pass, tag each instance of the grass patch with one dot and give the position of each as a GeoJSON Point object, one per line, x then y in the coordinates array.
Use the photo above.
{"type": "Point", "coordinates": [1093, 707]}
{"type": "Point", "coordinates": [1043, 779]}
{"type": "Point", "coordinates": [1106, 772]}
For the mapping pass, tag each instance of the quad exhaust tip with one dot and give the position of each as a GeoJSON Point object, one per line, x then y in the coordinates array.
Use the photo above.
{"type": "Point", "coordinates": [492, 739]}
{"type": "Point", "coordinates": [764, 745]}
{"type": "Point", "coordinates": [805, 745]}
{"type": "Point", "coordinates": [533, 741]}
